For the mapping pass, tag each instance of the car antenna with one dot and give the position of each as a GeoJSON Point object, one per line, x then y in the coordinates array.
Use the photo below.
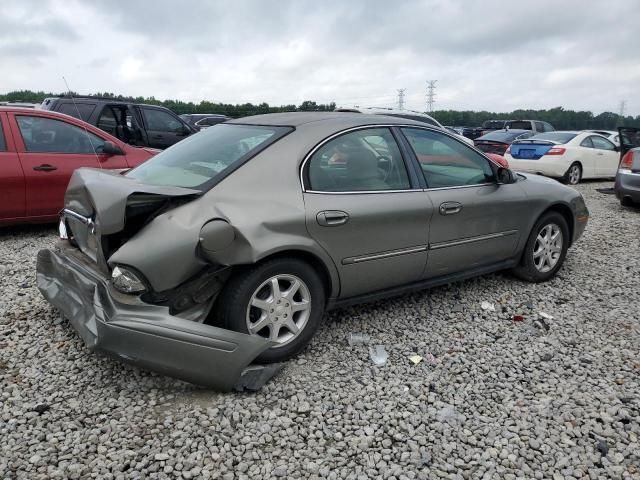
{"type": "Point", "coordinates": [84, 127]}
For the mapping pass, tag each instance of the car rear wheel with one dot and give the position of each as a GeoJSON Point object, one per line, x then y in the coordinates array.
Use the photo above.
{"type": "Point", "coordinates": [545, 250]}
{"type": "Point", "coordinates": [281, 300]}
{"type": "Point", "coordinates": [574, 174]}
{"type": "Point", "coordinates": [626, 202]}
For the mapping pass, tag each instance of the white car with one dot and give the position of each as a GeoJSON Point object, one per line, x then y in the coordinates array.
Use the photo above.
{"type": "Point", "coordinates": [408, 114]}
{"type": "Point", "coordinates": [568, 156]}
{"type": "Point", "coordinates": [609, 134]}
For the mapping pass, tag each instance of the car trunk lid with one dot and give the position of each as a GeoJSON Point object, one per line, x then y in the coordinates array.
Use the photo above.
{"type": "Point", "coordinates": [531, 149]}
{"type": "Point", "coordinates": [104, 209]}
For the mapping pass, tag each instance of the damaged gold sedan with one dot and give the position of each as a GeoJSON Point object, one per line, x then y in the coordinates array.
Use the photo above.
{"type": "Point", "coordinates": [215, 260]}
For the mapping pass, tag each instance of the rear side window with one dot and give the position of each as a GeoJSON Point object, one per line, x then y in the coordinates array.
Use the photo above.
{"type": "Point", "coordinates": [55, 136]}
{"type": "Point", "coordinates": [82, 111]}
{"type": "Point", "coordinates": [520, 125]}
{"type": "Point", "coordinates": [587, 143]}
{"type": "Point", "coordinates": [446, 162]}
{"type": "Point", "coordinates": [3, 145]}
{"type": "Point", "coordinates": [108, 121]}
{"type": "Point", "coordinates": [363, 160]}
{"type": "Point", "coordinates": [540, 127]}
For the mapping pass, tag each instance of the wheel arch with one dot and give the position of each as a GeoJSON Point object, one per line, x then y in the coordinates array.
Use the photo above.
{"type": "Point", "coordinates": [330, 279]}
{"type": "Point", "coordinates": [566, 212]}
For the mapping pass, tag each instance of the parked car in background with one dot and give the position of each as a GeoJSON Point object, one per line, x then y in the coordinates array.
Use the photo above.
{"type": "Point", "coordinates": [568, 156]}
{"type": "Point", "coordinates": [611, 135]}
{"type": "Point", "coordinates": [20, 104]}
{"type": "Point", "coordinates": [408, 114]}
{"type": "Point", "coordinates": [200, 121]}
{"type": "Point", "coordinates": [536, 126]}
{"type": "Point", "coordinates": [229, 247]}
{"type": "Point", "coordinates": [135, 124]}
{"type": "Point", "coordinates": [39, 151]}
{"type": "Point", "coordinates": [497, 141]}
{"type": "Point", "coordinates": [627, 186]}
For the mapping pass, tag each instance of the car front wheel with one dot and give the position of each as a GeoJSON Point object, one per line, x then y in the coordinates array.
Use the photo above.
{"type": "Point", "coordinates": [545, 250]}
{"type": "Point", "coordinates": [281, 300]}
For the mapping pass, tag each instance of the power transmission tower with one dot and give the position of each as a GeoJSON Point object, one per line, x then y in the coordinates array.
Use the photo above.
{"type": "Point", "coordinates": [431, 94]}
{"type": "Point", "coordinates": [401, 98]}
{"type": "Point", "coordinates": [623, 104]}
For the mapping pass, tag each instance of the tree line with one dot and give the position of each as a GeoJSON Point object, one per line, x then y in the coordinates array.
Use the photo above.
{"type": "Point", "coordinates": [560, 118]}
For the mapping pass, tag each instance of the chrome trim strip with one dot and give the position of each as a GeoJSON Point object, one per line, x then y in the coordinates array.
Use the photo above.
{"type": "Point", "coordinates": [364, 191]}
{"type": "Point", "coordinates": [434, 189]}
{"type": "Point", "coordinates": [378, 125]}
{"type": "Point", "coordinates": [464, 241]}
{"type": "Point", "coordinates": [378, 256]}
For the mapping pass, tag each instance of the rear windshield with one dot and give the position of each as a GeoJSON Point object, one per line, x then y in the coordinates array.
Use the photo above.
{"type": "Point", "coordinates": [520, 124]}
{"type": "Point", "coordinates": [494, 124]}
{"type": "Point", "coordinates": [500, 136]}
{"type": "Point", "coordinates": [560, 137]}
{"type": "Point", "coordinates": [201, 160]}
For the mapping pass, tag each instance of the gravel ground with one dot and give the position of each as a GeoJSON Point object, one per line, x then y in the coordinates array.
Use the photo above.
{"type": "Point", "coordinates": [494, 398]}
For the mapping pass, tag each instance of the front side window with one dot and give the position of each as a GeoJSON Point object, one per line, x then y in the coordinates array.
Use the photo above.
{"type": "Point", "coordinates": [446, 162]}
{"type": "Point", "coordinates": [42, 134]}
{"type": "Point", "coordinates": [161, 121]}
{"type": "Point", "coordinates": [363, 160]}
{"type": "Point", "coordinates": [602, 143]}
{"type": "Point", "coordinates": [540, 127]}
{"type": "Point", "coordinates": [199, 160]}
{"type": "Point", "coordinates": [108, 121]}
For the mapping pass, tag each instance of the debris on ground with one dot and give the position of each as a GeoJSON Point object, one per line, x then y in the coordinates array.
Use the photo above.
{"type": "Point", "coordinates": [540, 324]}
{"type": "Point", "coordinates": [358, 338]}
{"type": "Point", "coordinates": [431, 359]}
{"type": "Point", "coordinates": [488, 306]}
{"type": "Point", "coordinates": [546, 316]}
{"type": "Point", "coordinates": [416, 359]}
{"type": "Point", "coordinates": [518, 318]}
{"type": "Point", "coordinates": [378, 355]}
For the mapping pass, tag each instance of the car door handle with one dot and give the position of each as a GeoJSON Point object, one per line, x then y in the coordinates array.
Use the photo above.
{"type": "Point", "coordinates": [45, 167]}
{"type": "Point", "coordinates": [332, 218]}
{"type": "Point", "coordinates": [450, 208]}
{"type": "Point", "coordinates": [600, 153]}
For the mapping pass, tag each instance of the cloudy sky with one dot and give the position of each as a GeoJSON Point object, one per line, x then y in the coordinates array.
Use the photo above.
{"type": "Point", "coordinates": [486, 55]}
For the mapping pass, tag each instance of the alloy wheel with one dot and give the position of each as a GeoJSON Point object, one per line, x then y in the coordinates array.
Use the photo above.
{"type": "Point", "coordinates": [547, 248]}
{"type": "Point", "coordinates": [279, 309]}
{"type": "Point", "coordinates": [574, 174]}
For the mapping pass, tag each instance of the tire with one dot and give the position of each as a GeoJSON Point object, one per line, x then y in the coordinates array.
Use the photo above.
{"type": "Point", "coordinates": [626, 202]}
{"type": "Point", "coordinates": [543, 266]}
{"type": "Point", "coordinates": [574, 174]}
{"type": "Point", "coordinates": [276, 311]}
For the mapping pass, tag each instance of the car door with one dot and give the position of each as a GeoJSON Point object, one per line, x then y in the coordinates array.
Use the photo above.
{"type": "Point", "coordinates": [50, 149]}
{"type": "Point", "coordinates": [606, 164]}
{"type": "Point", "coordinates": [163, 128]}
{"type": "Point", "coordinates": [12, 196]}
{"type": "Point", "coordinates": [586, 155]}
{"type": "Point", "coordinates": [367, 210]}
{"type": "Point", "coordinates": [476, 222]}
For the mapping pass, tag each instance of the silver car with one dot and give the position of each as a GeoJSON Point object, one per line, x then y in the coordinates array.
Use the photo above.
{"type": "Point", "coordinates": [217, 258]}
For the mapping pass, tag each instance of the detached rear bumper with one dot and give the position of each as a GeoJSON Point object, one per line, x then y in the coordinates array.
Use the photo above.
{"type": "Point", "coordinates": [147, 335]}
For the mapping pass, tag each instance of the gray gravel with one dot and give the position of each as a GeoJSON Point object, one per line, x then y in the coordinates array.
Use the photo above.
{"type": "Point", "coordinates": [494, 399]}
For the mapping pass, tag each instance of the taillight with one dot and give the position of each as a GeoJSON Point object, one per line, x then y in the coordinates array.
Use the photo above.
{"type": "Point", "coordinates": [556, 151]}
{"type": "Point", "coordinates": [627, 161]}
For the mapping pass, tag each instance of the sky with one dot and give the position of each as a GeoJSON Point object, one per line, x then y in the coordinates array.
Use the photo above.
{"type": "Point", "coordinates": [485, 55]}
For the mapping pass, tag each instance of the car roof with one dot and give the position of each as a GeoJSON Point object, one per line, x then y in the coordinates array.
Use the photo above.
{"type": "Point", "coordinates": [295, 119]}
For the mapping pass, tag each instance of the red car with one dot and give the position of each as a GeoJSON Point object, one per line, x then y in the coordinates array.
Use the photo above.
{"type": "Point", "coordinates": [39, 150]}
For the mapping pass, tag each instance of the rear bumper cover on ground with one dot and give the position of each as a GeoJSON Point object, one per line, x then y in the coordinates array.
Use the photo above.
{"type": "Point", "coordinates": [147, 335]}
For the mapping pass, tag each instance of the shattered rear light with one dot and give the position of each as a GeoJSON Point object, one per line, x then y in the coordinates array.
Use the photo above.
{"type": "Point", "coordinates": [62, 230]}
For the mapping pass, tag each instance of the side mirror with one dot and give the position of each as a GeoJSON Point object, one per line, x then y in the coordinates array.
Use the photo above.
{"type": "Point", "coordinates": [110, 148]}
{"type": "Point", "coordinates": [505, 176]}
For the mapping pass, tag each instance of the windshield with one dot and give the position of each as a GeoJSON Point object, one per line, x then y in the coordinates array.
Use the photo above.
{"type": "Point", "coordinates": [560, 137]}
{"type": "Point", "coordinates": [201, 159]}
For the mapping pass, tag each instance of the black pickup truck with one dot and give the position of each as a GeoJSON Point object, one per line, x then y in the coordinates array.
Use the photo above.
{"type": "Point", "coordinates": [133, 123]}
